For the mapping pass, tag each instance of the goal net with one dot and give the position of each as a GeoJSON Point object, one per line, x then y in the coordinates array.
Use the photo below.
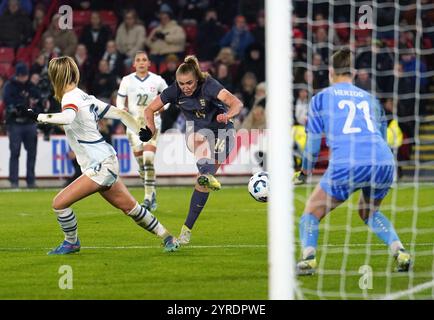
{"type": "Point", "coordinates": [393, 42]}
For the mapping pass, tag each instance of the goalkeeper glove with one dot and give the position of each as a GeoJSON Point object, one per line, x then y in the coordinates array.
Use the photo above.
{"type": "Point", "coordinates": [145, 134]}
{"type": "Point", "coordinates": [299, 178]}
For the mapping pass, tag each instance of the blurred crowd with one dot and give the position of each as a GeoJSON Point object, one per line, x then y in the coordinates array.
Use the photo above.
{"type": "Point", "coordinates": [228, 37]}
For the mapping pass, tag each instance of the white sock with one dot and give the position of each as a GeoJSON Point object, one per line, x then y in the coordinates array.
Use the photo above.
{"type": "Point", "coordinates": [68, 223]}
{"type": "Point", "coordinates": [395, 246]}
{"type": "Point", "coordinates": [308, 251]}
{"type": "Point", "coordinates": [149, 173]}
{"type": "Point", "coordinates": [148, 221]}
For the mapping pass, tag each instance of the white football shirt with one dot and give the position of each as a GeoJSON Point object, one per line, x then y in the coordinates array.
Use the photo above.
{"type": "Point", "coordinates": [82, 134]}
{"type": "Point", "coordinates": [140, 93]}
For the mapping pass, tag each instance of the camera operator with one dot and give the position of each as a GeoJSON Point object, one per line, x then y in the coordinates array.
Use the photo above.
{"type": "Point", "coordinates": [46, 102]}
{"type": "Point", "coordinates": [19, 95]}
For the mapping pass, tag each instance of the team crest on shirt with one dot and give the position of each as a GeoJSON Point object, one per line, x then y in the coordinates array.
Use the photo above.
{"type": "Point", "coordinates": [152, 89]}
{"type": "Point", "coordinates": [202, 102]}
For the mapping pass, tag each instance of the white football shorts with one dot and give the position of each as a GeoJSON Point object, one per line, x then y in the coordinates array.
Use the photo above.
{"type": "Point", "coordinates": [105, 173]}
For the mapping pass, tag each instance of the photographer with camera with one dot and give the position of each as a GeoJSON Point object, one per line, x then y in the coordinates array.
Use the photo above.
{"type": "Point", "coordinates": [166, 38]}
{"type": "Point", "coordinates": [19, 95]}
{"type": "Point", "coordinates": [46, 102]}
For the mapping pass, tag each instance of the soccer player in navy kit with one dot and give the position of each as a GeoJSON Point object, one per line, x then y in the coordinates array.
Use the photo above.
{"type": "Point", "coordinates": [355, 129]}
{"type": "Point", "coordinates": [208, 108]}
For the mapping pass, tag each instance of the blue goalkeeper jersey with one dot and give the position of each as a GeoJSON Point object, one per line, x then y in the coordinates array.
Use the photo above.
{"type": "Point", "coordinates": [354, 125]}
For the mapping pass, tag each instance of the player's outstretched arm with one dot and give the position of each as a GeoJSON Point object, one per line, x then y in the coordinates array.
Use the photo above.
{"type": "Point", "coordinates": [126, 118]}
{"type": "Point", "coordinates": [63, 118]}
{"type": "Point", "coordinates": [234, 104]}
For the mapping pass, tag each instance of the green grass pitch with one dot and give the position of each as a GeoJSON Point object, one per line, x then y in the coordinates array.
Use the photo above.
{"type": "Point", "coordinates": [227, 258]}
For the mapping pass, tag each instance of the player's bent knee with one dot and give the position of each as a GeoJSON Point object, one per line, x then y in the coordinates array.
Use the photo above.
{"type": "Point", "coordinates": [127, 205]}
{"type": "Point", "coordinates": [58, 204]}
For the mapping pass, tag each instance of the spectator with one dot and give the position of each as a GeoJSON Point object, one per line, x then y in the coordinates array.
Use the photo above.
{"type": "Point", "coordinates": [254, 62]}
{"type": "Point", "coordinates": [192, 10]}
{"type": "Point", "coordinates": [167, 38]}
{"type": "Point", "coordinates": [15, 25]}
{"type": "Point", "coordinates": [64, 39]}
{"type": "Point", "coordinates": [39, 65]}
{"type": "Point", "coordinates": [169, 116]}
{"type": "Point", "coordinates": [223, 76]}
{"type": "Point", "coordinates": [85, 66]}
{"type": "Point", "coordinates": [172, 63]}
{"type": "Point", "coordinates": [301, 106]}
{"type": "Point", "coordinates": [104, 83]}
{"type": "Point", "coordinates": [300, 48]}
{"type": "Point", "coordinates": [25, 5]}
{"type": "Point", "coordinates": [406, 102]}
{"type": "Point", "coordinates": [20, 94]}
{"type": "Point", "coordinates": [255, 119]}
{"type": "Point", "coordinates": [227, 57]}
{"type": "Point", "coordinates": [260, 95]}
{"type": "Point", "coordinates": [321, 44]}
{"type": "Point", "coordinates": [320, 71]}
{"type": "Point", "coordinates": [49, 51]}
{"type": "Point", "coordinates": [38, 16]}
{"type": "Point", "coordinates": [384, 64]}
{"type": "Point", "coordinates": [363, 80]}
{"type": "Point", "coordinates": [259, 31]}
{"type": "Point", "coordinates": [210, 32]}
{"type": "Point", "coordinates": [409, 63]}
{"type": "Point", "coordinates": [238, 38]}
{"type": "Point", "coordinates": [115, 59]}
{"type": "Point", "coordinates": [95, 36]}
{"type": "Point", "coordinates": [130, 36]}
{"type": "Point", "coordinates": [247, 91]}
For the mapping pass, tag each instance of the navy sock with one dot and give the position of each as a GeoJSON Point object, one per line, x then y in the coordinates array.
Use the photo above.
{"type": "Point", "coordinates": [205, 166]}
{"type": "Point", "coordinates": [197, 202]}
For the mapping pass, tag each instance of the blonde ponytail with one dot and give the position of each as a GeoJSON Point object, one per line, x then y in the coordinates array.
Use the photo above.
{"type": "Point", "coordinates": [62, 71]}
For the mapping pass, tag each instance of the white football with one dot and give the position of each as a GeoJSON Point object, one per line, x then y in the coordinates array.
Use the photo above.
{"type": "Point", "coordinates": [258, 186]}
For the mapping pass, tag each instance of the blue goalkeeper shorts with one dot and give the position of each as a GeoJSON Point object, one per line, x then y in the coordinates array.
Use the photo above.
{"type": "Point", "coordinates": [375, 181]}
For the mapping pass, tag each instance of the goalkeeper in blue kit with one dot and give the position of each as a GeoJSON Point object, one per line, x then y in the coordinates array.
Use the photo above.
{"type": "Point", "coordinates": [355, 129]}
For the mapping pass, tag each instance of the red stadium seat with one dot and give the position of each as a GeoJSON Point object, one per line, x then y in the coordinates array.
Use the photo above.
{"type": "Point", "coordinates": [389, 42]}
{"type": "Point", "coordinates": [23, 54]}
{"type": "Point", "coordinates": [6, 70]}
{"type": "Point", "coordinates": [81, 17]}
{"type": "Point", "coordinates": [190, 32]}
{"type": "Point", "coordinates": [191, 38]}
{"type": "Point", "coordinates": [163, 67]}
{"type": "Point", "coordinates": [109, 18]}
{"type": "Point", "coordinates": [78, 30]}
{"type": "Point", "coordinates": [35, 53]}
{"type": "Point", "coordinates": [342, 31]}
{"type": "Point", "coordinates": [152, 68]}
{"type": "Point", "coordinates": [7, 55]}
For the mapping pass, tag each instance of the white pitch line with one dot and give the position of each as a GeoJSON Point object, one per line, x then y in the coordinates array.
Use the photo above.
{"type": "Point", "coordinates": [228, 246]}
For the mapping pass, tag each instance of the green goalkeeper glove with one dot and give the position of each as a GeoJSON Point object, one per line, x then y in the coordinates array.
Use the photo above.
{"type": "Point", "coordinates": [299, 178]}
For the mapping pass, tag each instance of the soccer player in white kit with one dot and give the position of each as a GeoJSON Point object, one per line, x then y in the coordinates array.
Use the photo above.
{"type": "Point", "coordinates": [97, 159]}
{"type": "Point", "coordinates": [139, 89]}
